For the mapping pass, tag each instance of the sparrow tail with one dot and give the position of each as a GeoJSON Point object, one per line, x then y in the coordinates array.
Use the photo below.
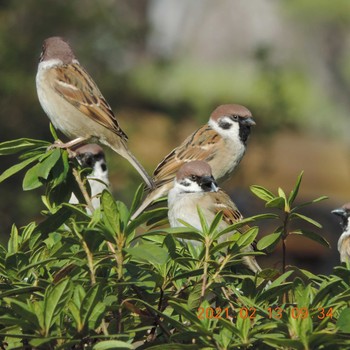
{"type": "Point", "coordinates": [151, 196]}
{"type": "Point", "coordinates": [124, 152]}
{"type": "Point", "coordinates": [135, 163]}
{"type": "Point", "coordinates": [251, 263]}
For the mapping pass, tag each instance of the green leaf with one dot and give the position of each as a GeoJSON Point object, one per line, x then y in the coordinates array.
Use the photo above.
{"type": "Point", "coordinates": [278, 281]}
{"type": "Point", "coordinates": [15, 146]}
{"type": "Point", "coordinates": [53, 132]}
{"type": "Point", "coordinates": [56, 298]}
{"type": "Point", "coordinates": [248, 237]}
{"type": "Point", "coordinates": [110, 211]}
{"type": "Point", "coordinates": [343, 322]}
{"type": "Point", "coordinates": [61, 168]}
{"type": "Point", "coordinates": [269, 241]}
{"type": "Point", "coordinates": [112, 344]}
{"type": "Point", "coordinates": [305, 218]}
{"type": "Point", "coordinates": [17, 167]}
{"type": "Point", "coordinates": [24, 311]}
{"type": "Point", "coordinates": [319, 199]}
{"type": "Point", "coordinates": [216, 221]}
{"type": "Point", "coordinates": [89, 302]}
{"type": "Point", "coordinates": [31, 178]}
{"type": "Point", "coordinates": [13, 242]}
{"type": "Point", "coordinates": [262, 193]}
{"type": "Point", "coordinates": [313, 236]}
{"type": "Point", "coordinates": [277, 202]}
{"type": "Point", "coordinates": [150, 253]}
{"type": "Point", "coordinates": [48, 163]}
{"type": "Point", "coordinates": [54, 221]}
{"type": "Point", "coordinates": [202, 220]}
{"type": "Point", "coordinates": [189, 315]}
{"type": "Point", "coordinates": [136, 202]}
{"type": "Point", "coordinates": [293, 194]}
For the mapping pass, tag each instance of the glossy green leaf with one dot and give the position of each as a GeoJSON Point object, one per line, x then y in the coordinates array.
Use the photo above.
{"type": "Point", "coordinates": [262, 193]}
{"type": "Point", "coordinates": [313, 236]}
{"type": "Point", "coordinates": [269, 241]}
{"type": "Point", "coordinates": [15, 146]}
{"type": "Point", "coordinates": [277, 202]}
{"type": "Point", "coordinates": [112, 345]}
{"type": "Point", "coordinates": [17, 167]}
{"type": "Point", "coordinates": [56, 298]}
{"type": "Point", "coordinates": [150, 253]}
{"type": "Point", "coordinates": [110, 211]}
{"type": "Point", "coordinates": [293, 194]}
{"type": "Point", "coordinates": [305, 218]}
{"type": "Point", "coordinates": [343, 322]}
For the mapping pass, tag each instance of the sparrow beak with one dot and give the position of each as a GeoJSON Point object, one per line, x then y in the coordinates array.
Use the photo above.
{"type": "Point", "coordinates": [208, 184]}
{"type": "Point", "coordinates": [340, 212]}
{"type": "Point", "coordinates": [248, 121]}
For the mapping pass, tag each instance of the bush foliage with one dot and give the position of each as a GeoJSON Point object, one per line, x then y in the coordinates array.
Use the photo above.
{"type": "Point", "coordinates": [101, 281]}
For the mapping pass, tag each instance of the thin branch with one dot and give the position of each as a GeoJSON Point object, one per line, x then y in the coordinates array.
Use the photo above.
{"type": "Point", "coordinates": [83, 190]}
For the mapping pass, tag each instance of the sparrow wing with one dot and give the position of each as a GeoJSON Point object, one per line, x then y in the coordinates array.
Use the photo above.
{"type": "Point", "coordinates": [201, 145]}
{"type": "Point", "coordinates": [223, 203]}
{"type": "Point", "coordinates": [75, 85]}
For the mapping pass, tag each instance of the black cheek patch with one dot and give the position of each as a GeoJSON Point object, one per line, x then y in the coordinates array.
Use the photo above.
{"type": "Point", "coordinates": [225, 125]}
{"type": "Point", "coordinates": [103, 167]}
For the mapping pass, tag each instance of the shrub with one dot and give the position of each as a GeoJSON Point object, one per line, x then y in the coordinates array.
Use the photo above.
{"type": "Point", "coordinates": [101, 281]}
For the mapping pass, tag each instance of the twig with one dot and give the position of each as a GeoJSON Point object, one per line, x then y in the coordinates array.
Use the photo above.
{"type": "Point", "coordinates": [83, 190]}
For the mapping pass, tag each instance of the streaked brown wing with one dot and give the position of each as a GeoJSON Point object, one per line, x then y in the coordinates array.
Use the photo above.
{"type": "Point", "coordinates": [223, 203]}
{"type": "Point", "coordinates": [75, 85]}
{"type": "Point", "coordinates": [198, 146]}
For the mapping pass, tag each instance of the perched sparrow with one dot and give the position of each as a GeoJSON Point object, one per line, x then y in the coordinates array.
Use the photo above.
{"type": "Point", "coordinates": [344, 240]}
{"type": "Point", "coordinates": [75, 105]}
{"type": "Point", "coordinates": [195, 186]}
{"type": "Point", "coordinates": [221, 143]}
{"type": "Point", "coordinates": [92, 156]}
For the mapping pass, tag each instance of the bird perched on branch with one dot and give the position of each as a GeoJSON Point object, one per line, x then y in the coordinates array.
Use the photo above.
{"type": "Point", "coordinates": [195, 186]}
{"type": "Point", "coordinates": [344, 240]}
{"type": "Point", "coordinates": [75, 105]}
{"type": "Point", "coordinates": [221, 142]}
{"type": "Point", "coordinates": [92, 156]}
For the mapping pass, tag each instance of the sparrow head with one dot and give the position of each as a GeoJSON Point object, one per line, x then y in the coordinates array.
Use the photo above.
{"type": "Point", "coordinates": [233, 118]}
{"type": "Point", "coordinates": [196, 176]}
{"type": "Point", "coordinates": [57, 48]}
{"type": "Point", "coordinates": [344, 213]}
{"type": "Point", "coordinates": [92, 156]}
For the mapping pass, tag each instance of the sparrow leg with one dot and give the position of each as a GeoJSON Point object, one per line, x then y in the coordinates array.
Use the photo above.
{"type": "Point", "coordinates": [59, 144]}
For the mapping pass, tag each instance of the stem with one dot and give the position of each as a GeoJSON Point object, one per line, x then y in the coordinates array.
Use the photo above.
{"type": "Point", "coordinates": [205, 268]}
{"type": "Point", "coordinates": [83, 190]}
{"type": "Point", "coordinates": [222, 265]}
{"type": "Point", "coordinates": [90, 262]}
{"type": "Point", "coordinates": [167, 333]}
{"type": "Point", "coordinates": [284, 248]}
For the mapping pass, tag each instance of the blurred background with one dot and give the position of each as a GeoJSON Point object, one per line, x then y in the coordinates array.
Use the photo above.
{"type": "Point", "coordinates": [164, 65]}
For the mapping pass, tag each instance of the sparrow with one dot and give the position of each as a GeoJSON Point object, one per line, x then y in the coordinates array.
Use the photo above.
{"type": "Point", "coordinates": [75, 105]}
{"type": "Point", "coordinates": [195, 186]}
{"type": "Point", "coordinates": [221, 142]}
{"type": "Point", "coordinates": [344, 240]}
{"type": "Point", "coordinates": [92, 156]}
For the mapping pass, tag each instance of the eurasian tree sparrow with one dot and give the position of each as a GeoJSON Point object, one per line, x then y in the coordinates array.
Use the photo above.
{"type": "Point", "coordinates": [75, 105]}
{"type": "Point", "coordinates": [221, 143]}
{"type": "Point", "coordinates": [195, 186]}
{"type": "Point", "coordinates": [344, 240]}
{"type": "Point", "coordinates": [92, 156]}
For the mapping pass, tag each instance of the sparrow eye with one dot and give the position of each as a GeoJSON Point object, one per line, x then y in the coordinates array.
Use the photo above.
{"type": "Point", "coordinates": [235, 117]}
{"type": "Point", "coordinates": [193, 177]}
